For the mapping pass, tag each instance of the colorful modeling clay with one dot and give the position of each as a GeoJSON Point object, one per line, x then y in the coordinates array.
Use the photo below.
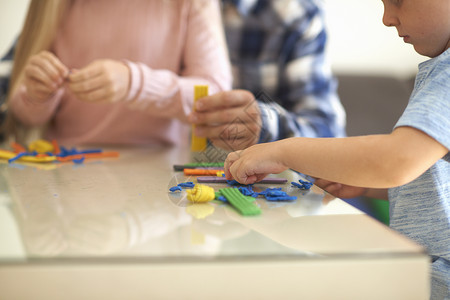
{"type": "Point", "coordinates": [210, 172]}
{"type": "Point", "coordinates": [198, 143]}
{"type": "Point", "coordinates": [214, 179]}
{"type": "Point", "coordinates": [240, 202]}
{"type": "Point", "coordinates": [303, 185]}
{"type": "Point", "coordinates": [215, 165]}
{"type": "Point", "coordinates": [201, 193]}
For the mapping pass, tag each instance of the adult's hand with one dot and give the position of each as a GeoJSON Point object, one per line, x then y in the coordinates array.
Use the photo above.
{"type": "Point", "coordinates": [230, 120]}
{"type": "Point", "coordinates": [103, 80]}
{"type": "Point", "coordinates": [44, 73]}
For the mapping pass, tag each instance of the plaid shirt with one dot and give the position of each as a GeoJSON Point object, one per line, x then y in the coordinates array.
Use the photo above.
{"type": "Point", "coordinates": [277, 49]}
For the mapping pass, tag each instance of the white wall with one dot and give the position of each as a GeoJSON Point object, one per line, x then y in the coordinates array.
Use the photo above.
{"type": "Point", "coordinates": [12, 15]}
{"type": "Point", "coordinates": [358, 41]}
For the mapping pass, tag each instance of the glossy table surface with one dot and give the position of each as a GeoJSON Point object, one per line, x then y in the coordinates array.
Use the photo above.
{"type": "Point", "coordinates": [120, 212]}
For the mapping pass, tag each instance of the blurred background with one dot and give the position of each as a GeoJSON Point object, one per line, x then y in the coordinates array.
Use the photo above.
{"type": "Point", "coordinates": [358, 41]}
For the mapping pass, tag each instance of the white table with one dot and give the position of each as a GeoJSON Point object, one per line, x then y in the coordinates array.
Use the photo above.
{"type": "Point", "coordinates": [110, 229]}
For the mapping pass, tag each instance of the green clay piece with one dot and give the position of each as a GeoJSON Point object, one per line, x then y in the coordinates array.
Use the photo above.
{"type": "Point", "coordinates": [240, 202]}
{"type": "Point", "coordinates": [204, 164]}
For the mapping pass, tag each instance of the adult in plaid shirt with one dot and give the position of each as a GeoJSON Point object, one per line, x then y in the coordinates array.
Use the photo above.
{"type": "Point", "coordinates": [277, 49]}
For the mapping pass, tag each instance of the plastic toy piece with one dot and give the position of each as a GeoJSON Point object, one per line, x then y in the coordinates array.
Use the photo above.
{"type": "Point", "coordinates": [56, 149]}
{"type": "Point", "coordinates": [18, 148]}
{"type": "Point", "coordinates": [248, 191]}
{"type": "Point", "coordinates": [44, 151]}
{"type": "Point", "coordinates": [214, 179]}
{"type": "Point", "coordinates": [41, 146]}
{"type": "Point", "coordinates": [87, 156]}
{"type": "Point", "coordinates": [195, 172]}
{"type": "Point", "coordinates": [303, 185]}
{"type": "Point", "coordinates": [215, 165]}
{"type": "Point", "coordinates": [198, 143]}
{"type": "Point", "coordinates": [240, 202]}
{"type": "Point", "coordinates": [175, 188]}
{"type": "Point", "coordinates": [79, 161]}
{"type": "Point", "coordinates": [24, 156]}
{"type": "Point", "coordinates": [201, 193]}
{"type": "Point", "coordinates": [187, 184]}
{"type": "Point", "coordinates": [276, 194]}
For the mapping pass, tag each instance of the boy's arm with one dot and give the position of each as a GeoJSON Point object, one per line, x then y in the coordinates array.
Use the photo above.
{"type": "Point", "coordinates": [347, 191]}
{"type": "Point", "coordinates": [375, 161]}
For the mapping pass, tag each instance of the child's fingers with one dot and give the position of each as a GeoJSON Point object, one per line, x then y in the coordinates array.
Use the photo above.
{"type": "Point", "coordinates": [57, 65]}
{"type": "Point", "coordinates": [231, 158]}
{"type": "Point", "coordinates": [86, 73]}
{"type": "Point", "coordinates": [41, 68]}
{"type": "Point", "coordinates": [102, 94]}
{"type": "Point", "coordinates": [86, 85]}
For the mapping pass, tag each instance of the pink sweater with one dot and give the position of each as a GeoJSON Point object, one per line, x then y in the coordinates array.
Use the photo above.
{"type": "Point", "coordinates": [169, 46]}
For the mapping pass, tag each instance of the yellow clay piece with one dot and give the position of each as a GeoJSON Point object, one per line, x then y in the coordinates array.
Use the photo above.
{"type": "Point", "coordinates": [41, 146]}
{"type": "Point", "coordinates": [9, 154]}
{"type": "Point", "coordinates": [201, 193]}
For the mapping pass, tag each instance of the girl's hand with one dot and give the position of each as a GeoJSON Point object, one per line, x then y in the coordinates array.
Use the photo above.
{"type": "Point", "coordinates": [43, 75]}
{"type": "Point", "coordinates": [102, 80]}
{"type": "Point", "coordinates": [253, 164]}
{"type": "Point", "coordinates": [340, 190]}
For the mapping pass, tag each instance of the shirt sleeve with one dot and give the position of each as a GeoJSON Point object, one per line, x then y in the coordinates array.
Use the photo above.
{"type": "Point", "coordinates": [278, 53]}
{"type": "Point", "coordinates": [428, 109]}
{"type": "Point", "coordinates": [168, 94]}
{"type": "Point", "coordinates": [306, 102]}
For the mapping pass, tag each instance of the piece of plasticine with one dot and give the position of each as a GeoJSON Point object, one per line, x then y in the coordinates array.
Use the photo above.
{"type": "Point", "coordinates": [23, 157]}
{"type": "Point", "coordinates": [214, 179]}
{"type": "Point", "coordinates": [204, 165]}
{"type": "Point", "coordinates": [201, 193]}
{"type": "Point", "coordinates": [240, 202]}
{"type": "Point", "coordinates": [198, 144]}
{"type": "Point", "coordinates": [195, 172]}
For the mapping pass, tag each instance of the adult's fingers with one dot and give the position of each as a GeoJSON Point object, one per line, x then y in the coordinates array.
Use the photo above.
{"type": "Point", "coordinates": [234, 98]}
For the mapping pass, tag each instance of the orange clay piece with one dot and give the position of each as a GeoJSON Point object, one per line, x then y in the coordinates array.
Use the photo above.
{"type": "Point", "coordinates": [88, 155]}
{"type": "Point", "coordinates": [204, 172]}
{"type": "Point", "coordinates": [56, 149]}
{"type": "Point", "coordinates": [18, 148]}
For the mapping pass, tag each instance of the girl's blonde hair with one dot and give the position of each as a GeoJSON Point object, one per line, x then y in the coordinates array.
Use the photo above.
{"type": "Point", "coordinates": [38, 33]}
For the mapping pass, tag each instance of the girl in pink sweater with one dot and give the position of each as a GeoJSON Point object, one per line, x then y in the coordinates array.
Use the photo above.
{"type": "Point", "coordinates": [116, 72]}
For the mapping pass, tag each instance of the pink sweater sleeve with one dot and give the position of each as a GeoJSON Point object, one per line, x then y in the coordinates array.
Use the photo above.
{"type": "Point", "coordinates": [168, 94]}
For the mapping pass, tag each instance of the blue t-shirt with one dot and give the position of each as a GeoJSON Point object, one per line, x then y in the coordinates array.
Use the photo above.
{"type": "Point", "coordinates": [421, 208]}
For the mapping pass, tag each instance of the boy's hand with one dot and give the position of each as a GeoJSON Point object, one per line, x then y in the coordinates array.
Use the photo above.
{"type": "Point", "coordinates": [230, 120]}
{"type": "Point", "coordinates": [103, 80]}
{"type": "Point", "coordinates": [43, 75]}
{"type": "Point", "coordinates": [253, 164]}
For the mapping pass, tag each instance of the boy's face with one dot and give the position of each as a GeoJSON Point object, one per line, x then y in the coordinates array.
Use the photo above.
{"type": "Point", "coordinates": [423, 23]}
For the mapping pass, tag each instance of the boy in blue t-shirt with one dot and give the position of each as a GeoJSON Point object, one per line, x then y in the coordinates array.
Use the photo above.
{"type": "Point", "coordinates": [410, 166]}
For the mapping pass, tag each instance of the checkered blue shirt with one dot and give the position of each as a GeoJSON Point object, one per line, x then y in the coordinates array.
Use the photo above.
{"type": "Point", "coordinates": [277, 49]}
{"type": "Point", "coordinates": [6, 63]}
